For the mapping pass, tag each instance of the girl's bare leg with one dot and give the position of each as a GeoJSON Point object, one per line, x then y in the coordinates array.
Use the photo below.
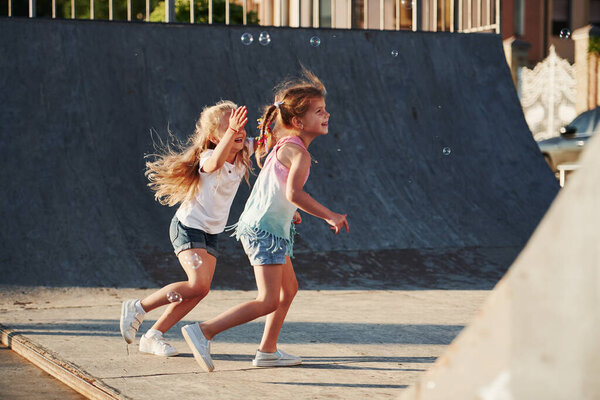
{"type": "Point", "coordinates": [192, 291]}
{"type": "Point", "coordinates": [289, 288]}
{"type": "Point", "coordinates": [268, 282]}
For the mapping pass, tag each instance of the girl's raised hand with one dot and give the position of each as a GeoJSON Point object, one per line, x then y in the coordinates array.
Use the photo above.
{"type": "Point", "coordinates": [238, 118]}
{"type": "Point", "coordinates": [297, 218]}
{"type": "Point", "coordinates": [337, 222]}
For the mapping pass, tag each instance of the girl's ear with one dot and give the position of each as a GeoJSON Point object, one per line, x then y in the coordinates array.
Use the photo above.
{"type": "Point", "coordinates": [297, 123]}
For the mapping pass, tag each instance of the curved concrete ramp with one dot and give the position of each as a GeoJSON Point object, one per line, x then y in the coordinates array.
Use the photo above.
{"type": "Point", "coordinates": [79, 99]}
{"type": "Point", "coordinates": [536, 337]}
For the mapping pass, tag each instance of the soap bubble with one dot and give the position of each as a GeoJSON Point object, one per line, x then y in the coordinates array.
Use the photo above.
{"type": "Point", "coordinates": [565, 33]}
{"type": "Point", "coordinates": [264, 38]}
{"type": "Point", "coordinates": [315, 41]}
{"type": "Point", "coordinates": [247, 39]}
{"type": "Point", "coordinates": [174, 297]}
{"type": "Point", "coordinates": [446, 151]}
{"type": "Point", "coordinates": [196, 261]}
{"type": "Point", "coordinates": [394, 53]}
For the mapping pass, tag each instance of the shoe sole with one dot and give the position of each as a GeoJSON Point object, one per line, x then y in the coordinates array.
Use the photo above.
{"type": "Point", "coordinates": [199, 359]}
{"type": "Point", "coordinates": [159, 355]}
{"type": "Point", "coordinates": [123, 329]}
{"type": "Point", "coordinates": [276, 363]}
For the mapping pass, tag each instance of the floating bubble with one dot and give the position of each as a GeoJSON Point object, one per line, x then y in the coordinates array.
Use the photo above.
{"type": "Point", "coordinates": [446, 151]}
{"type": "Point", "coordinates": [196, 261]}
{"type": "Point", "coordinates": [406, 4]}
{"type": "Point", "coordinates": [431, 385]}
{"type": "Point", "coordinates": [264, 38]}
{"type": "Point", "coordinates": [315, 41]}
{"type": "Point", "coordinates": [339, 149]}
{"type": "Point", "coordinates": [565, 33]}
{"type": "Point", "coordinates": [394, 53]}
{"type": "Point", "coordinates": [247, 39]}
{"type": "Point", "coordinates": [174, 297]}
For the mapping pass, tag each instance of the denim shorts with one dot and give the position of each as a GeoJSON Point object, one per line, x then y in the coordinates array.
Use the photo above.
{"type": "Point", "coordinates": [262, 252]}
{"type": "Point", "coordinates": [184, 237]}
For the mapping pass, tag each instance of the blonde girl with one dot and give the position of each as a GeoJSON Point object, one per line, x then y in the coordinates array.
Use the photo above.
{"type": "Point", "coordinates": [202, 178]}
{"type": "Point", "coordinates": [265, 228]}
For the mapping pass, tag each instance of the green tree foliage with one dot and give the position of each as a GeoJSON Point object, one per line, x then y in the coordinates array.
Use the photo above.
{"type": "Point", "coordinates": [594, 45]}
{"type": "Point", "coordinates": [182, 12]}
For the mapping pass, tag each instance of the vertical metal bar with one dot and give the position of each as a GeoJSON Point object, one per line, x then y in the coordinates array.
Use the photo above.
{"type": "Point", "coordinates": [110, 10]}
{"type": "Point", "coordinates": [192, 16]}
{"type": "Point", "coordinates": [128, 10]}
{"type": "Point", "coordinates": [488, 13]}
{"type": "Point", "coordinates": [147, 10]}
{"type": "Point", "coordinates": [434, 15]}
{"type": "Point", "coordinates": [479, 3]}
{"type": "Point", "coordinates": [452, 15]}
{"type": "Point", "coordinates": [497, 16]}
{"type": "Point", "coordinates": [170, 11]}
{"type": "Point", "coordinates": [210, 11]}
{"type": "Point", "coordinates": [366, 14]}
{"type": "Point", "coordinates": [73, 9]}
{"type": "Point", "coordinates": [10, 8]}
{"type": "Point", "coordinates": [32, 8]}
{"type": "Point", "coordinates": [53, 9]}
{"type": "Point", "coordinates": [315, 13]}
{"type": "Point", "coordinates": [333, 12]}
{"type": "Point", "coordinates": [92, 13]}
{"type": "Point", "coordinates": [349, 15]}
{"type": "Point", "coordinates": [245, 11]}
{"type": "Point", "coordinates": [398, 15]}
{"type": "Point", "coordinates": [381, 15]}
{"type": "Point", "coordinates": [469, 14]}
{"type": "Point", "coordinates": [460, 16]}
{"type": "Point", "coordinates": [415, 14]}
{"type": "Point", "coordinates": [226, 12]}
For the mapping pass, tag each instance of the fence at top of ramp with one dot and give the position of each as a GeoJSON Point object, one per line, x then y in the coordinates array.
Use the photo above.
{"type": "Point", "coordinates": [427, 149]}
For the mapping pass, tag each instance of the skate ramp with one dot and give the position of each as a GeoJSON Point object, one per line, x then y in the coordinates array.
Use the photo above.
{"type": "Point", "coordinates": [536, 337]}
{"type": "Point", "coordinates": [428, 151]}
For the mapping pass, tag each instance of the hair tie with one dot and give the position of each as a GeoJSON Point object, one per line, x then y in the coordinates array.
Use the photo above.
{"type": "Point", "coordinates": [277, 104]}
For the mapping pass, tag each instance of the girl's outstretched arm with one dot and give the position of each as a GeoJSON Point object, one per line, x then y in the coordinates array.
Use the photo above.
{"type": "Point", "coordinates": [299, 162]}
{"type": "Point", "coordinates": [237, 121]}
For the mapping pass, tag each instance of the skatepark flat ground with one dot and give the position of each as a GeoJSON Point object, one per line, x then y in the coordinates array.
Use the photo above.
{"type": "Point", "coordinates": [354, 343]}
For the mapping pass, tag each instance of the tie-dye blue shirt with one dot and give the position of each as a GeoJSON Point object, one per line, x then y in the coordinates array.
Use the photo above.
{"type": "Point", "coordinates": [268, 212]}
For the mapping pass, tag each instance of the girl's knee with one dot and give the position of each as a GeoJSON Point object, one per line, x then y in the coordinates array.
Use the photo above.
{"type": "Point", "coordinates": [288, 294]}
{"type": "Point", "coordinates": [268, 304]}
{"type": "Point", "coordinates": [200, 289]}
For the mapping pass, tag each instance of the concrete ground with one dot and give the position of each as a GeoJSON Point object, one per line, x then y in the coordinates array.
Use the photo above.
{"type": "Point", "coordinates": [21, 380]}
{"type": "Point", "coordinates": [355, 343]}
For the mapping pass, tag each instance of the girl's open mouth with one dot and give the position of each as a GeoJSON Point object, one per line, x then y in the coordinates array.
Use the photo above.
{"type": "Point", "coordinates": [239, 140]}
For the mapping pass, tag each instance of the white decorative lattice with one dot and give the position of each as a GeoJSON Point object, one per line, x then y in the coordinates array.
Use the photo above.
{"type": "Point", "coordinates": [548, 95]}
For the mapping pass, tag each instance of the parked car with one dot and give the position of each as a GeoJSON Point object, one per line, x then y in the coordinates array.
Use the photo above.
{"type": "Point", "coordinates": [567, 147]}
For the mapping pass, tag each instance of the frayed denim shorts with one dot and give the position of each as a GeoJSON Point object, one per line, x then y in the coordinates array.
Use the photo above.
{"type": "Point", "coordinates": [184, 237]}
{"type": "Point", "coordinates": [262, 252]}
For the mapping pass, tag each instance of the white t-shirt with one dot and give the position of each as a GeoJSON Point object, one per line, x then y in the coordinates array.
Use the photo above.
{"type": "Point", "coordinates": [209, 208]}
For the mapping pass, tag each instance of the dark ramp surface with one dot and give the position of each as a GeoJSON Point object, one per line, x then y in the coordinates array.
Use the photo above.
{"type": "Point", "coordinates": [80, 98]}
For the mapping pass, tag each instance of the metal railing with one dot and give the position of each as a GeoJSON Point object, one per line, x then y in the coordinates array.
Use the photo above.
{"type": "Point", "coordinates": [429, 15]}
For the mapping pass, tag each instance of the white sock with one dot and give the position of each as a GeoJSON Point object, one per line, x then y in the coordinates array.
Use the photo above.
{"type": "Point", "coordinates": [139, 308]}
{"type": "Point", "coordinates": [153, 332]}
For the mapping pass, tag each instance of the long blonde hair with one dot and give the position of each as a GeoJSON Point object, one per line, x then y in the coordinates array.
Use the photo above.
{"type": "Point", "coordinates": [292, 99]}
{"type": "Point", "coordinates": [174, 173]}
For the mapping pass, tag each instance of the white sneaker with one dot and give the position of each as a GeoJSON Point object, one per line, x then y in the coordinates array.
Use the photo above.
{"type": "Point", "coordinates": [155, 343]}
{"type": "Point", "coordinates": [277, 359]}
{"type": "Point", "coordinates": [199, 345]}
{"type": "Point", "coordinates": [131, 320]}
